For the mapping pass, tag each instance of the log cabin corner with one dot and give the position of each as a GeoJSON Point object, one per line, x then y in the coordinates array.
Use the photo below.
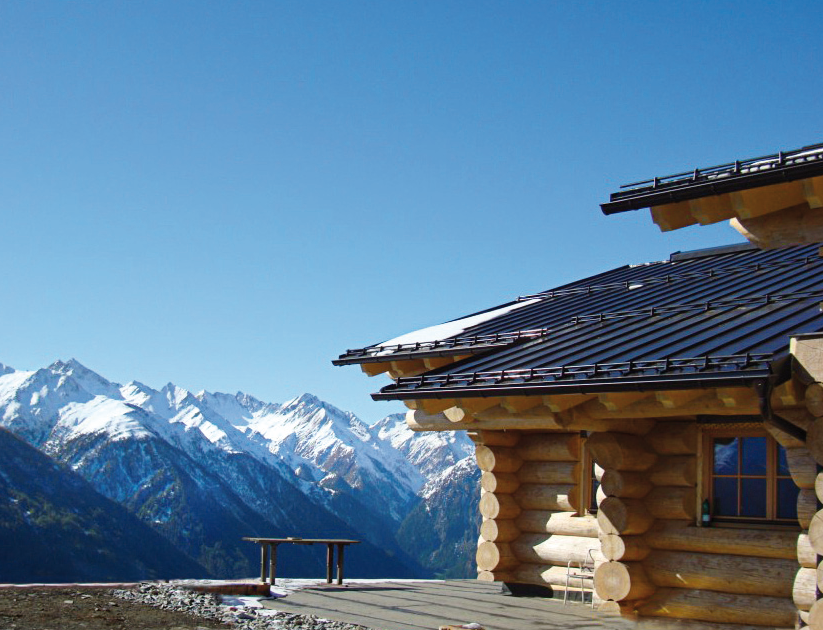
{"type": "Point", "coordinates": [667, 416]}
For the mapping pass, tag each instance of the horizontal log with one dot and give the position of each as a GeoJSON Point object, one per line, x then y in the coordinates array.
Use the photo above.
{"type": "Point", "coordinates": [710, 404]}
{"type": "Point", "coordinates": [671, 503]}
{"type": "Point", "coordinates": [713, 606]}
{"type": "Point", "coordinates": [496, 459]}
{"type": "Point", "coordinates": [499, 438]}
{"type": "Point", "coordinates": [549, 472]}
{"type": "Point", "coordinates": [420, 420]}
{"type": "Point", "coordinates": [623, 548]}
{"type": "Point", "coordinates": [549, 447]}
{"type": "Point", "coordinates": [802, 467]}
{"type": "Point", "coordinates": [814, 440]}
{"type": "Point", "coordinates": [783, 437]}
{"type": "Point", "coordinates": [493, 556]}
{"type": "Point", "coordinates": [816, 532]}
{"type": "Point", "coordinates": [806, 507]}
{"type": "Point", "coordinates": [503, 483]}
{"type": "Point", "coordinates": [814, 399]}
{"type": "Point", "coordinates": [761, 543]}
{"type": "Point", "coordinates": [622, 581]}
{"type": "Point", "coordinates": [557, 497]}
{"type": "Point", "coordinates": [498, 506]}
{"type": "Point", "coordinates": [499, 530]}
{"type": "Point", "coordinates": [815, 618]}
{"type": "Point", "coordinates": [620, 451]}
{"type": "Point", "coordinates": [818, 486]}
{"type": "Point", "coordinates": [623, 516]}
{"type": "Point", "coordinates": [553, 549]}
{"type": "Point", "coordinates": [626, 484]}
{"type": "Point", "coordinates": [806, 556]}
{"type": "Point", "coordinates": [804, 589]}
{"type": "Point", "coordinates": [542, 575]}
{"type": "Point", "coordinates": [675, 470]}
{"type": "Point", "coordinates": [673, 438]}
{"type": "Point", "coordinates": [564, 523]}
{"type": "Point", "coordinates": [721, 572]}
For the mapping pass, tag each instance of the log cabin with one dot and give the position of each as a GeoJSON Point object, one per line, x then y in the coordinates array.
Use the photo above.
{"type": "Point", "coordinates": [664, 418]}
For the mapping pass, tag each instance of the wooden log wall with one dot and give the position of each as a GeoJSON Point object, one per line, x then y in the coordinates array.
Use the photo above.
{"type": "Point", "coordinates": [659, 564]}
{"type": "Point", "coordinates": [530, 504]}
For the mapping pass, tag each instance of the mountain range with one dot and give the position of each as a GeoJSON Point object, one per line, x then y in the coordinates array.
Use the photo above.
{"type": "Point", "coordinates": [198, 471]}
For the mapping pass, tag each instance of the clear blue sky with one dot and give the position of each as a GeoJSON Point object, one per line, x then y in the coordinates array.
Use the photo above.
{"type": "Point", "coordinates": [227, 195]}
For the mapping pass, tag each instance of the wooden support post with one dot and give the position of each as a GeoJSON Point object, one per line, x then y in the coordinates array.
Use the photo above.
{"type": "Point", "coordinates": [273, 563]}
{"type": "Point", "coordinates": [329, 561]}
{"type": "Point", "coordinates": [340, 549]}
{"type": "Point", "coordinates": [263, 561]}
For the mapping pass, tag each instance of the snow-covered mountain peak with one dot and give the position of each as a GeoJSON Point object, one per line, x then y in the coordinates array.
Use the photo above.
{"type": "Point", "coordinates": [89, 380]}
{"type": "Point", "coordinates": [6, 369]}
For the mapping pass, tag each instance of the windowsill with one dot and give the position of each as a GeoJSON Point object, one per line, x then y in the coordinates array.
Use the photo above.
{"type": "Point", "coordinates": [760, 524]}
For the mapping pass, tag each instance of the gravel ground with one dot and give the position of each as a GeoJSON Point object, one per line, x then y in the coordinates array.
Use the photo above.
{"type": "Point", "coordinates": [149, 606]}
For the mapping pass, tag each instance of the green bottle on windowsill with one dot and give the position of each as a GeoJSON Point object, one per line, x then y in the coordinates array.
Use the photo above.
{"type": "Point", "coordinates": [705, 515]}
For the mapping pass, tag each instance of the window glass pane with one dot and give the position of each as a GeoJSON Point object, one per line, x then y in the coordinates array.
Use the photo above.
{"type": "Point", "coordinates": [782, 464]}
{"type": "Point", "coordinates": [725, 456]}
{"type": "Point", "coordinates": [725, 497]}
{"type": "Point", "coordinates": [786, 498]}
{"type": "Point", "coordinates": [753, 455]}
{"type": "Point", "coordinates": [753, 501]}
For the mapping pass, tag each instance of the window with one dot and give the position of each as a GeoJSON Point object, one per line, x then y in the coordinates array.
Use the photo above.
{"type": "Point", "coordinates": [747, 478]}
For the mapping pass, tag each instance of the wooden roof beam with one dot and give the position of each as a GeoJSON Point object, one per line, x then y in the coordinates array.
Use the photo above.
{"type": "Point", "coordinates": [619, 400]}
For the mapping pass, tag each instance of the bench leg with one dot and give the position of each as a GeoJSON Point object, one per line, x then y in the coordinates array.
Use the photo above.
{"type": "Point", "coordinates": [340, 549]}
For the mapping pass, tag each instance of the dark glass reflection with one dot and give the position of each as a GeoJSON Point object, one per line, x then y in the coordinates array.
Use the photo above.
{"type": "Point", "coordinates": [782, 463]}
{"type": "Point", "coordinates": [725, 456]}
{"type": "Point", "coordinates": [787, 498]}
{"type": "Point", "coordinates": [753, 456]}
{"type": "Point", "coordinates": [753, 501]}
{"type": "Point", "coordinates": [725, 497]}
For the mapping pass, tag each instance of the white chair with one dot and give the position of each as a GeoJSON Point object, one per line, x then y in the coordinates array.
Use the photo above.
{"type": "Point", "coordinates": [583, 571]}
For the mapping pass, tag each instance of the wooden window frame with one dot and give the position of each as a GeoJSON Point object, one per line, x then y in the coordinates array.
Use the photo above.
{"type": "Point", "coordinates": [771, 476]}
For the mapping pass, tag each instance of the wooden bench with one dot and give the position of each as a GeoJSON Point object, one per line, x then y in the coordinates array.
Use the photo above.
{"type": "Point", "coordinates": [268, 554]}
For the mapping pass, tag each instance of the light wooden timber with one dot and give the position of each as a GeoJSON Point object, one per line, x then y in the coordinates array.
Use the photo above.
{"type": "Point", "coordinates": [477, 405]}
{"type": "Point", "coordinates": [814, 440]}
{"type": "Point", "coordinates": [798, 416]}
{"type": "Point", "coordinates": [373, 369]}
{"type": "Point", "coordinates": [722, 572]}
{"type": "Point", "coordinates": [806, 507]}
{"type": "Point", "coordinates": [814, 399]}
{"type": "Point", "coordinates": [782, 437]}
{"type": "Point", "coordinates": [611, 608]}
{"type": "Point", "coordinates": [558, 497]}
{"type": "Point", "coordinates": [499, 530]}
{"type": "Point", "coordinates": [793, 226]}
{"type": "Point", "coordinates": [673, 438]}
{"type": "Point", "coordinates": [806, 556]}
{"type": "Point", "coordinates": [760, 543]}
{"type": "Point", "coordinates": [713, 606]}
{"type": "Point", "coordinates": [788, 394]}
{"type": "Point", "coordinates": [562, 523]}
{"type": "Point", "coordinates": [502, 483]}
{"type": "Point", "coordinates": [623, 516]}
{"type": "Point", "coordinates": [496, 459]}
{"type": "Point", "coordinates": [673, 503]}
{"type": "Point", "coordinates": [672, 216]}
{"type": "Point", "coordinates": [422, 421]}
{"type": "Point", "coordinates": [458, 414]}
{"type": "Point", "coordinates": [622, 581]}
{"type": "Point", "coordinates": [519, 404]}
{"type": "Point", "coordinates": [816, 532]}
{"type": "Point", "coordinates": [818, 486]}
{"type": "Point", "coordinates": [815, 618]}
{"type": "Point", "coordinates": [429, 406]}
{"type": "Point", "coordinates": [620, 451]}
{"type": "Point", "coordinates": [562, 402]}
{"type": "Point", "coordinates": [549, 447]}
{"type": "Point", "coordinates": [674, 399]}
{"type": "Point", "coordinates": [493, 556]}
{"type": "Point", "coordinates": [432, 363]}
{"type": "Point", "coordinates": [541, 417]}
{"type": "Point", "coordinates": [660, 623]}
{"type": "Point", "coordinates": [620, 400]}
{"type": "Point", "coordinates": [819, 576]}
{"type": "Point", "coordinates": [623, 548]}
{"type": "Point", "coordinates": [598, 471]}
{"type": "Point", "coordinates": [498, 506]}
{"type": "Point", "coordinates": [804, 588]}
{"type": "Point", "coordinates": [625, 484]}
{"type": "Point", "coordinates": [549, 472]}
{"type": "Point", "coordinates": [802, 467]}
{"type": "Point", "coordinates": [499, 438]}
{"type": "Point", "coordinates": [599, 495]}
{"type": "Point", "coordinates": [676, 470]}
{"type": "Point", "coordinates": [410, 367]}
{"type": "Point", "coordinates": [709, 404]}
{"type": "Point", "coordinates": [543, 549]}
